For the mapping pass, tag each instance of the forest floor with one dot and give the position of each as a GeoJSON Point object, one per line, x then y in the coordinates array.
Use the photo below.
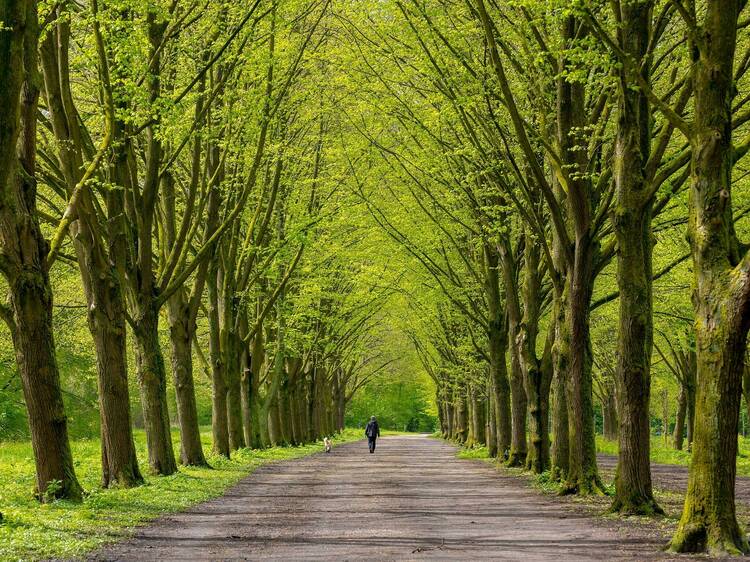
{"type": "Point", "coordinates": [413, 499]}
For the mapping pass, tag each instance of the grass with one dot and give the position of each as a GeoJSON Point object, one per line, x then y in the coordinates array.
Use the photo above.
{"type": "Point", "coordinates": [664, 453]}
{"type": "Point", "coordinates": [30, 531]}
{"type": "Point", "coordinates": [661, 452]}
{"type": "Point", "coordinates": [476, 452]}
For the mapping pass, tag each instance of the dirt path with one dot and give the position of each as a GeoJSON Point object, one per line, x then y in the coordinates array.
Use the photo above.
{"type": "Point", "coordinates": [413, 499]}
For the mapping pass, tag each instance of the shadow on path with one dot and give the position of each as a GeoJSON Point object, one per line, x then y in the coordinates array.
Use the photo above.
{"type": "Point", "coordinates": [412, 499]}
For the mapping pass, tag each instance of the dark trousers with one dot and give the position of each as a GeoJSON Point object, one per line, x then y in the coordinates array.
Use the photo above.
{"type": "Point", "coordinates": [371, 443]}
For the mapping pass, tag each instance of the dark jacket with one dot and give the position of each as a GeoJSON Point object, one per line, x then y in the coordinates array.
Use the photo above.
{"type": "Point", "coordinates": [372, 430]}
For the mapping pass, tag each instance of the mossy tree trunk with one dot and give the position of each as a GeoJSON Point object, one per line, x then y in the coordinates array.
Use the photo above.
{"type": "Point", "coordinates": [537, 372]}
{"type": "Point", "coordinates": [582, 476]}
{"type": "Point", "coordinates": [631, 218]}
{"type": "Point", "coordinates": [257, 355]}
{"type": "Point", "coordinates": [230, 309]}
{"type": "Point", "coordinates": [721, 293]}
{"type": "Point", "coordinates": [491, 432]}
{"type": "Point", "coordinates": [610, 422]}
{"type": "Point", "coordinates": [518, 403]}
{"type": "Point", "coordinates": [560, 352]}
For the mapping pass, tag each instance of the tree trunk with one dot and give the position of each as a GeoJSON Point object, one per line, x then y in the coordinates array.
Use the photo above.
{"type": "Point", "coordinates": [246, 381]}
{"type": "Point", "coordinates": [152, 379]}
{"type": "Point", "coordinates": [721, 295]}
{"type": "Point", "coordinates": [181, 334]}
{"type": "Point", "coordinates": [301, 409]}
{"type": "Point", "coordinates": [690, 393]}
{"type": "Point", "coordinates": [31, 303]}
{"type": "Point", "coordinates": [470, 419]}
{"type": "Point", "coordinates": [273, 423]}
{"type": "Point", "coordinates": [609, 415]}
{"type": "Point", "coordinates": [450, 418]}
{"type": "Point", "coordinates": [632, 225]}
{"type": "Point", "coordinates": [560, 450]}
{"type": "Point", "coordinates": [679, 425]}
{"type": "Point", "coordinates": [234, 387]}
{"type": "Point", "coordinates": [23, 256]}
{"type": "Point", "coordinates": [219, 427]}
{"type": "Point", "coordinates": [582, 477]}
{"type": "Point", "coordinates": [538, 382]}
{"type": "Point", "coordinates": [101, 285]}
{"type": "Point", "coordinates": [491, 432]}
{"type": "Point", "coordinates": [498, 341]}
{"type": "Point", "coordinates": [537, 374]}
{"type": "Point", "coordinates": [462, 430]}
{"type": "Point", "coordinates": [518, 448]}
{"type": "Point", "coordinates": [294, 425]}
{"type": "Point", "coordinates": [312, 417]}
{"type": "Point", "coordinates": [258, 428]}
{"type": "Point", "coordinates": [479, 420]}
{"type": "Point", "coordinates": [285, 411]}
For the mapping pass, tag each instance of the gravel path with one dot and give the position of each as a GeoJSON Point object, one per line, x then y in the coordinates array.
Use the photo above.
{"type": "Point", "coordinates": [411, 500]}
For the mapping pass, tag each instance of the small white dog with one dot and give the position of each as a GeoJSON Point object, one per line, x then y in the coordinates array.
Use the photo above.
{"type": "Point", "coordinates": [327, 443]}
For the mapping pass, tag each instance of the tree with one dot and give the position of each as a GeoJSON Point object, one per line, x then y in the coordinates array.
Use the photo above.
{"type": "Point", "coordinates": [23, 255]}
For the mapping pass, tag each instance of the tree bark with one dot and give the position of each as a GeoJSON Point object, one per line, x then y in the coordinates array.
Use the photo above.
{"type": "Point", "coordinates": [491, 431]}
{"type": "Point", "coordinates": [257, 355]}
{"type": "Point", "coordinates": [246, 380]}
{"type": "Point", "coordinates": [721, 295]}
{"type": "Point", "coordinates": [631, 219]}
{"type": "Point", "coordinates": [508, 261]}
{"type": "Point", "coordinates": [582, 476]}
{"type": "Point", "coordinates": [219, 427]}
{"type": "Point", "coordinates": [560, 450]}
{"type": "Point", "coordinates": [181, 332]}
{"type": "Point", "coordinates": [234, 387]}
{"type": "Point", "coordinates": [678, 436]}
{"type": "Point", "coordinates": [519, 403]}
{"type": "Point", "coordinates": [537, 374]}
{"type": "Point", "coordinates": [609, 415]}
{"type": "Point", "coordinates": [152, 379]}
{"type": "Point", "coordinates": [497, 341]}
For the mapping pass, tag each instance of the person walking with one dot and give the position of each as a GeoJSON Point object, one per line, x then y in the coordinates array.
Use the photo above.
{"type": "Point", "coordinates": [372, 431]}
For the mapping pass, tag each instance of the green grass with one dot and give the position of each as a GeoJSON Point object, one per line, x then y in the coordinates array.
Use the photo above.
{"type": "Point", "coordinates": [30, 531]}
{"type": "Point", "coordinates": [476, 452]}
{"type": "Point", "coordinates": [663, 453]}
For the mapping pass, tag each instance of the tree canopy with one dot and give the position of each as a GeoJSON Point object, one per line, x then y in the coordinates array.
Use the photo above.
{"type": "Point", "coordinates": [516, 221]}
